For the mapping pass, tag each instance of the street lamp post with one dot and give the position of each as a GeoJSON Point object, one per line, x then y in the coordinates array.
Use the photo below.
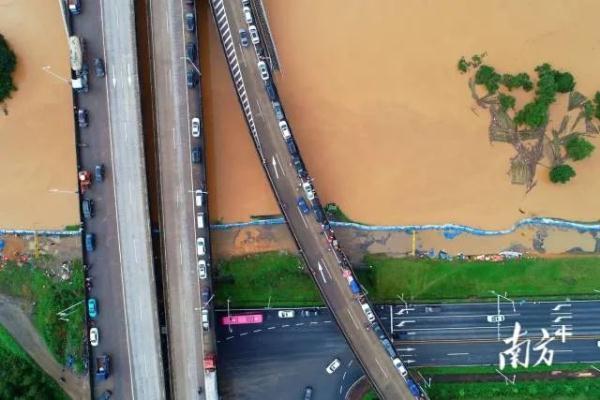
{"type": "Point", "coordinates": [48, 69]}
{"type": "Point", "coordinates": [228, 316]}
{"type": "Point", "coordinates": [193, 65]}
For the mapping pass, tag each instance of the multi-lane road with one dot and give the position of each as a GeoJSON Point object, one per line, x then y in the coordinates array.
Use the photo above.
{"type": "Point", "coordinates": [183, 220]}
{"type": "Point", "coordinates": [454, 334]}
{"type": "Point", "coordinates": [275, 155]}
{"type": "Point", "coordinates": [122, 266]}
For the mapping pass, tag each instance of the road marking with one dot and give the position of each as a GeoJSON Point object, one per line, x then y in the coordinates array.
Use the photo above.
{"type": "Point", "coordinates": [381, 368]}
{"type": "Point", "coordinates": [341, 387]}
{"type": "Point", "coordinates": [300, 324]}
{"type": "Point", "coordinates": [259, 108]}
{"type": "Point", "coordinates": [243, 334]}
{"type": "Point", "coordinates": [256, 330]}
{"type": "Point", "coordinates": [559, 306]}
{"type": "Point", "coordinates": [229, 337]}
{"type": "Point", "coordinates": [321, 272]}
{"type": "Point", "coordinates": [326, 268]}
{"type": "Point", "coordinates": [314, 322]}
{"type": "Point", "coordinates": [558, 319]}
{"type": "Point", "coordinates": [302, 216]}
{"type": "Point", "coordinates": [401, 324]}
{"type": "Point", "coordinates": [450, 316]}
{"type": "Point", "coordinates": [457, 354]}
{"type": "Point", "coordinates": [271, 327]}
{"type": "Point", "coordinates": [352, 318]}
{"type": "Point", "coordinates": [284, 326]}
{"type": "Point", "coordinates": [344, 376]}
{"type": "Point", "coordinates": [135, 253]}
{"type": "Point", "coordinates": [407, 349]}
{"type": "Point", "coordinates": [563, 351]}
{"type": "Point", "coordinates": [180, 253]}
{"type": "Point", "coordinates": [280, 164]}
{"type": "Point", "coordinates": [350, 363]}
{"type": "Point", "coordinates": [327, 322]}
{"type": "Point", "coordinates": [275, 167]}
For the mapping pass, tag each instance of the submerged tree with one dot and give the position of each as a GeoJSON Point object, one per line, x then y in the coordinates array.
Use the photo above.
{"type": "Point", "coordinates": [561, 173]}
{"type": "Point", "coordinates": [8, 64]}
{"type": "Point", "coordinates": [578, 148]}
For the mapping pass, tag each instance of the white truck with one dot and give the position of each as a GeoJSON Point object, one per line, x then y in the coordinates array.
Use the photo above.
{"type": "Point", "coordinates": [78, 72]}
{"type": "Point", "coordinates": [74, 6]}
{"type": "Point", "coordinates": [210, 377]}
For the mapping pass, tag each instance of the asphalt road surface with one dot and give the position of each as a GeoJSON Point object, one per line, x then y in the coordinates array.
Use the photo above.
{"type": "Point", "coordinates": [301, 347]}
{"type": "Point", "coordinates": [126, 170]}
{"type": "Point", "coordinates": [105, 262]}
{"type": "Point", "coordinates": [174, 107]}
{"type": "Point", "coordinates": [317, 252]}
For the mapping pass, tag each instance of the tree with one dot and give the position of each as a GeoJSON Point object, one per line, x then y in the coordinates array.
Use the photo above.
{"type": "Point", "coordinates": [506, 101]}
{"type": "Point", "coordinates": [534, 114]}
{"type": "Point", "coordinates": [488, 77]}
{"type": "Point", "coordinates": [578, 148]}
{"type": "Point", "coordinates": [564, 82]}
{"type": "Point", "coordinates": [561, 173]}
{"type": "Point", "coordinates": [463, 65]}
{"type": "Point", "coordinates": [8, 63]}
{"type": "Point", "coordinates": [516, 81]}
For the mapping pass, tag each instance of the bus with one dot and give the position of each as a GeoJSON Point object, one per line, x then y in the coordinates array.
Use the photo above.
{"type": "Point", "coordinates": [242, 319]}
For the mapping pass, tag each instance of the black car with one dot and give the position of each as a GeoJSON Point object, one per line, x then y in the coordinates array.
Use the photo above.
{"type": "Point", "coordinates": [190, 22]}
{"type": "Point", "coordinates": [106, 395]}
{"type": "Point", "coordinates": [197, 155]}
{"type": "Point", "coordinates": [319, 214]}
{"type": "Point", "coordinates": [271, 90]}
{"type": "Point", "coordinates": [291, 147]}
{"type": "Point", "coordinates": [191, 51]}
{"type": "Point", "coordinates": [99, 173]}
{"type": "Point", "coordinates": [82, 118]}
{"type": "Point", "coordinates": [244, 38]}
{"type": "Point", "coordinates": [308, 393]}
{"type": "Point", "coordinates": [205, 295]}
{"type": "Point", "coordinates": [87, 206]}
{"type": "Point", "coordinates": [99, 67]}
{"type": "Point", "coordinates": [192, 78]}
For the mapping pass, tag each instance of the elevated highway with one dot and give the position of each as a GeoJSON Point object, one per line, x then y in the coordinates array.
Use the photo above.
{"type": "Point", "coordinates": [290, 181]}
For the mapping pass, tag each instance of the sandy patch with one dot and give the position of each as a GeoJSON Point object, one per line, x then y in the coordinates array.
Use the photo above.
{"type": "Point", "coordinates": [37, 142]}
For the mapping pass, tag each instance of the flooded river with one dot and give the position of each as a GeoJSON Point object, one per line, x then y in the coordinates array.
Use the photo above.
{"type": "Point", "coordinates": [385, 121]}
{"type": "Point", "coordinates": [38, 169]}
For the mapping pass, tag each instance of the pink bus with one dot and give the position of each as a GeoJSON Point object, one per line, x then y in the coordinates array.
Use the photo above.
{"type": "Point", "coordinates": [242, 319]}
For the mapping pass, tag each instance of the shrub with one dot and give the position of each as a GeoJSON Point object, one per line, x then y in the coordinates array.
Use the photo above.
{"type": "Point", "coordinates": [8, 63]}
{"type": "Point", "coordinates": [506, 101]}
{"type": "Point", "coordinates": [463, 65]}
{"type": "Point", "coordinates": [578, 148]}
{"type": "Point", "coordinates": [561, 173]}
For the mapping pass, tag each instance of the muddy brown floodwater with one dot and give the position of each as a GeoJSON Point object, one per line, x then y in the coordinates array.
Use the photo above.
{"type": "Point", "coordinates": [384, 119]}
{"type": "Point", "coordinates": [38, 170]}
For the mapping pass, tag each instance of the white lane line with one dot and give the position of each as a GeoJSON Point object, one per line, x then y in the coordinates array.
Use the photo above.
{"type": "Point", "coordinates": [457, 354]}
{"type": "Point", "coordinates": [455, 316]}
{"type": "Point", "coordinates": [280, 164]}
{"type": "Point", "coordinates": [229, 337]}
{"type": "Point", "coordinates": [341, 389]}
{"type": "Point", "coordinates": [300, 324]}
{"type": "Point", "coordinates": [327, 322]}
{"type": "Point", "coordinates": [257, 330]}
{"type": "Point", "coordinates": [259, 108]}
{"type": "Point", "coordinates": [284, 326]}
{"type": "Point", "coordinates": [243, 334]}
{"type": "Point", "coordinates": [314, 322]}
{"type": "Point", "coordinates": [180, 253]}
{"type": "Point", "coordinates": [271, 327]}
{"type": "Point", "coordinates": [350, 363]}
{"type": "Point", "coordinates": [344, 376]}
{"type": "Point", "coordinates": [381, 368]}
{"type": "Point", "coordinates": [135, 253]}
{"type": "Point", "coordinates": [326, 268]}
{"type": "Point", "coordinates": [563, 351]}
{"type": "Point", "coordinates": [352, 318]}
{"type": "Point", "coordinates": [302, 216]}
{"type": "Point", "coordinates": [274, 163]}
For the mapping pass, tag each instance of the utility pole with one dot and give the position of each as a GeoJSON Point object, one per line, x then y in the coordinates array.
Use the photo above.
{"type": "Point", "coordinates": [228, 316]}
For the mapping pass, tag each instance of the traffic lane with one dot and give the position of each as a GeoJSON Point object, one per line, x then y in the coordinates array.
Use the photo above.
{"type": "Point", "coordinates": [132, 206]}
{"type": "Point", "coordinates": [173, 116]}
{"type": "Point", "coordinates": [350, 314]}
{"type": "Point", "coordinates": [488, 353]}
{"type": "Point", "coordinates": [282, 362]}
{"type": "Point", "coordinates": [104, 261]}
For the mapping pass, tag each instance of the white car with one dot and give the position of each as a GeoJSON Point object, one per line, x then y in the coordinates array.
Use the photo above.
{"type": "Point", "coordinates": [495, 318]}
{"type": "Point", "coordinates": [399, 366]}
{"type": "Point", "coordinates": [200, 246]}
{"type": "Point", "coordinates": [94, 337]}
{"type": "Point", "coordinates": [253, 34]}
{"type": "Point", "coordinates": [198, 198]}
{"type": "Point", "coordinates": [196, 127]}
{"type": "Point", "coordinates": [286, 314]}
{"type": "Point", "coordinates": [205, 324]}
{"type": "Point", "coordinates": [285, 130]}
{"type": "Point", "coordinates": [264, 71]}
{"type": "Point", "coordinates": [202, 269]}
{"type": "Point", "coordinates": [368, 312]}
{"type": "Point", "coordinates": [335, 364]}
{"type": "Point", "coordinates": [247, 15]}
{"type": "Point", "coordinates": [308, 189]}
{"type": "Point", "coordinates": [200, 220]}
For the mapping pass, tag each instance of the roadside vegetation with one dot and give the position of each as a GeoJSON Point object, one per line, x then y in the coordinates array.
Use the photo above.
{"type": "Point", "coordinates": [20, 377]}
{"type": "Point", "coordinates": [8, 64]}
{"type": "Point", "coordinates": [49, 295]}
{"type": "Point", "coordinates": [335, 213]}
{"type": "Point", "coordinates": [250, 281]}
{"type": "Point", "coordinates": [491, 369]}
{"type": "Point", "coordinates": [434, 280]}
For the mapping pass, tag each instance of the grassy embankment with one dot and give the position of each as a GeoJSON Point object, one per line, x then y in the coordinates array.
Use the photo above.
{"type": "Point", "coordinates": [20, 377]}
{"type": "Point", "coordinates": [249, 281]}
{"type": "Point", "coordinates": [49, 296]}
{"type": "Point", "coordinates": [423, 279]}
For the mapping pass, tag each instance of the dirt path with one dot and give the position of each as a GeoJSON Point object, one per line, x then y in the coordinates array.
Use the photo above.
{"type": "Point", "coordinates": [16, 321]}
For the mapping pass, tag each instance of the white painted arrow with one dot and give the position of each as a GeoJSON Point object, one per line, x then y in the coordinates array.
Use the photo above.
{"type": "Point", "coordinates": [275, 167]}
{"type": "Point", "coordinates": [322, 274]}
{"type": "Point", "coordinates": [401, 324]}
{"type": "Point", "coordinates": [409, 361]}
{"type": "Point", "coordinates": [558, 319]}
{"type": "Point", "coordinates": [558, 307]}
{"type": "Point", "coordinates": [404, 310]}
